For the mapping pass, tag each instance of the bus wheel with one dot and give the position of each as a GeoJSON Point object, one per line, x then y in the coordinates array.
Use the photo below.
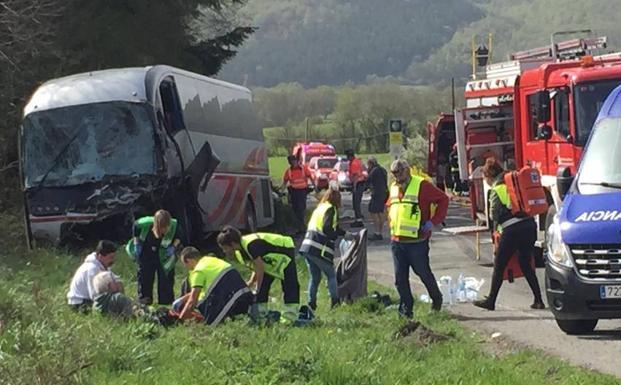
{"type": "Point", "coordinates": [576, 327]}
{"type": "Point", "coordinates": [251, 217]}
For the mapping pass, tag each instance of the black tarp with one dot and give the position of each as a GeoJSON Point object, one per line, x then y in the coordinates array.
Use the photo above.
{"type": "Point", "coordinates": [351, 270]}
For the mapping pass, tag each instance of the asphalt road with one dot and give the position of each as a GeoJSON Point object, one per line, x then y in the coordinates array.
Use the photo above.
{"type": "Point", "coordinates": [513, 319]}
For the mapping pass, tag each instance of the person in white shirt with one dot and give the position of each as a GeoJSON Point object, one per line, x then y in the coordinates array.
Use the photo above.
{"type": "Point", "coordinates": [81, 292]}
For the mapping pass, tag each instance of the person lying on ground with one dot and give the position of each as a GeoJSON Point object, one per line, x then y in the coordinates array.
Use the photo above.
{"type": "Point", "coordinates": [81, 293]}
{"type": "Point", "coordinates": [217, 290]}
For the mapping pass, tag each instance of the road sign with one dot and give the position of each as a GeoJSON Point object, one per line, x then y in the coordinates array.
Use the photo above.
{"type": "Point", "coordinates": [395, 127]}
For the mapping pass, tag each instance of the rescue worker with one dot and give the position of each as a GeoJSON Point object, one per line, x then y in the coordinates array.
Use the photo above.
{"type": "Point", "coordinates": [269, 257]}
{"type": "Point", "coordinates": [319, 245]}
{"type": "Point", "coordinates": [518, 233]}
{"type": "Point", "coordinates": [296, 180]}
{"type": "Point", "coordinates": [411, 223]}
{"type": "Point", "coordinates": [154, 248]}
{"type": "Point", "coordinates": [358, 185]}
{"type": "Point", "coordinates": [217, 290]}
{"type": "Point", "coordinates": [454, 165]}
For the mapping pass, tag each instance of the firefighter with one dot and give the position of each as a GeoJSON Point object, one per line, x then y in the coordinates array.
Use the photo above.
{"type": "Point", "coordinates": [296, 180]}
{"type": "Point", "coordinates": [217, 290]}
{"type": "Point", "coordinates": [518, 233]}
{"type": "Point", "coordinates": [154, 248]}
{"type": "Point", "coordinates": [411, 222]}
{"type": "Point", "coordinates": [454, 165]}
{"type": "Point", "coordinates": [319, 244]}
{"type": "Point", "coordinates": [358, 185]}
{"type": "Point", "coordinates": [269, 257]}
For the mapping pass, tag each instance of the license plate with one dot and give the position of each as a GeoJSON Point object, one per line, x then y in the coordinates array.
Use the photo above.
{"type": "Point", "coordinates": [610, 291]}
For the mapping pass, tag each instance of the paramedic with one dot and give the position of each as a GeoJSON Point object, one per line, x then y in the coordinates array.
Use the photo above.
{"type": "Point", "coordinates": [411, 221]}
{"type": "Point", "coordinates": [269, 257]}
{"type": "Point", "coordinates": [154, 247]}
{"type": "Point", "coordinates": [296, 179]}
{"type": "Point", "coordinates": [358, 185]}
{"type": "Point", "coordinates": [518, 233]}
{"type": "Point", "coordinates": [319, 244]}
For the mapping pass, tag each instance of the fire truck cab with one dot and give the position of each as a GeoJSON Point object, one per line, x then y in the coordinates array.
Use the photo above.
{"type": "Point", "coordinates": [536, 110]}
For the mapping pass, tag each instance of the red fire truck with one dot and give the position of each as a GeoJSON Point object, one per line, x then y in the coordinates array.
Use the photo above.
{"type": "Point", "coordinates": [537, 108]}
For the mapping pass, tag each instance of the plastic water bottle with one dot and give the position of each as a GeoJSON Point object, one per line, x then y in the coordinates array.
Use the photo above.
{"type": "Point", "coordinates": [446, 288]}
{"type": "Point", "coordinates": [461, 288]}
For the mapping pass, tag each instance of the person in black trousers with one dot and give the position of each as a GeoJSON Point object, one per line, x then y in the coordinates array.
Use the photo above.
{"type": "Point", "coordinates": [156, 240]}
{"type": "Point", "coordinates": [518, 233]}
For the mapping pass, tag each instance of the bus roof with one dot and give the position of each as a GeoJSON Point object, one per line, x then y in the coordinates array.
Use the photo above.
{"type": "Point", "coordinates": [121, 84]}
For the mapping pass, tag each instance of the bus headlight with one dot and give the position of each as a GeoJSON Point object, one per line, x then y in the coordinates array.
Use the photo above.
{"type": "Point", "coordinates": [558, 252]}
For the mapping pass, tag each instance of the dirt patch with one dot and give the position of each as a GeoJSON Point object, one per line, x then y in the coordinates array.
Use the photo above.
{"type": "Point", "coordinates": [420, 334]}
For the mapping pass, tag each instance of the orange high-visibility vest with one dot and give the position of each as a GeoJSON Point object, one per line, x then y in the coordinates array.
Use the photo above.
{"type": "Point", "coordinates": [296, 178]}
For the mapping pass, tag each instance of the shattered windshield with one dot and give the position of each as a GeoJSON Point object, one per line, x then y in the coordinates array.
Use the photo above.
{"type": "Point", "coordinates": [79, 144]}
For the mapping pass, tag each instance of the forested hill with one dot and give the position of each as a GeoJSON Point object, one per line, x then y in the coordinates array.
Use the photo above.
{"type": "Point", "coordinates": [419, 41]}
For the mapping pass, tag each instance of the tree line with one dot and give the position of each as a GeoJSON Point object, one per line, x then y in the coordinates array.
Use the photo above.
{"type": "Point", "coordinates": [351, 116]}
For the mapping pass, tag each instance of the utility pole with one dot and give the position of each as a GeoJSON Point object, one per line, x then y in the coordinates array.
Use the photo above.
{"type": "Point", "coordinates": [306, 131]}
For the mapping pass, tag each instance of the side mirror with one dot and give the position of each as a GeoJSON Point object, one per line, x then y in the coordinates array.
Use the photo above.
{"type": "Point", "coordinates": [543, 106]}
{"type": "Point", "coordinates": [564, 179]}
{"type": "Point", "coordinates": [544, 132]}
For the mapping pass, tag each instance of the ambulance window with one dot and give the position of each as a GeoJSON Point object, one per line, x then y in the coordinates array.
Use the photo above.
{"type": "Point", "coordinates": [532, 116]}
{"type": "Point", "coordinates": [561, 113]}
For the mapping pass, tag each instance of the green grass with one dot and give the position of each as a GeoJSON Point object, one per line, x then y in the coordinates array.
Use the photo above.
{"type": "Point", "coordinates": [43, 342]}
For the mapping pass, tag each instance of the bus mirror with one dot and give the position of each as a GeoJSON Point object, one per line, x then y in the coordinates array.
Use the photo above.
{"type": "Point", "coordinates": [543, 106]}
{"type": "Point", "coordinates": [564, 179]}
{"type": "Point", "coordinates": [544, 132]}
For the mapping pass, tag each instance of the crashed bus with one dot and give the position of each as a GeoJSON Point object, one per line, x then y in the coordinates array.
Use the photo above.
{"type": "Point", "coordinates": [99, 149]}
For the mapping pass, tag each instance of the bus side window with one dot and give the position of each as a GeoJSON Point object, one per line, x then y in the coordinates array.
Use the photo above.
{"type": "Point", "coordinates": [173, 119]}
{"type": "Point", "coordinates": [561, 113]}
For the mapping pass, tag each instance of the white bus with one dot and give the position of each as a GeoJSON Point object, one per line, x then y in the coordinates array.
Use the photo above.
{"type": "Point", "coordinates": [99, 149]}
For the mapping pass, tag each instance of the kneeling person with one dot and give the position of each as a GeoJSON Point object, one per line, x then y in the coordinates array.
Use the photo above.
{"type": "Point", "coordinates": [216, 288]}
{"type": "Point", "coordinates": [269, 256]}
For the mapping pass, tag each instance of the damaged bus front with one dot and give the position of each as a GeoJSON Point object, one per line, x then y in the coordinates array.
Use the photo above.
{"type": "Point", "coordinates": [102, 148]}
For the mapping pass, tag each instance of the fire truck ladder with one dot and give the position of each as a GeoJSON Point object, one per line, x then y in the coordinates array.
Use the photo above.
{"type": "Point", "coordinates": [564, 50]}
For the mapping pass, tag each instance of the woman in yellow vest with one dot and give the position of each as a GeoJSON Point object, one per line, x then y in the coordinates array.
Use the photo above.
{"type": "Point", "coordinates": [216, 288]}
{"type": "Point", "coordinates": [319, 243]}
{"type": "Point", "coordinates": [269, 256]}
{"type": "Point", "coordinates": [518, 233]}
{"type": "Point", "coordinates": [154, 247]}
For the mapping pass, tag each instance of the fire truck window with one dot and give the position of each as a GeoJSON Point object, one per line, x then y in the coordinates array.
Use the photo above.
{"type": "Point", "coordinates": [532, 116]}
{"type": "Point", "coordinates": [561, 113]}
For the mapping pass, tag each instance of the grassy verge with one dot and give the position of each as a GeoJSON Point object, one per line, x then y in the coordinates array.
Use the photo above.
{"type": "Point", "coordinates": [43, 342]}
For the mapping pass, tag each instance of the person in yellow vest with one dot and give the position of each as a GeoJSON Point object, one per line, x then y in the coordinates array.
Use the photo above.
{"type": "Point", "coordinates": [154, 247]}
{"type": "Point", "coordinates": [518, 233]}
{"type": "Point", "coordinates": [269, 257]}
{"type": "Point", "coordinates": [217, 290]}
{"type": "Point", "coordinates": [411, 220]}
{"type": "Point", "coordinates": [319, 244]}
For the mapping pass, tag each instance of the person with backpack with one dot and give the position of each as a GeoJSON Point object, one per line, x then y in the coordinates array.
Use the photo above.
{"type": "Point", "coordinates": [270, 257]}
{"type": "Point", "coordinates": [518, 232]}
{"type": "Point", "coordinates": [154, 247]}
{"type": "Point", "coordinates": [319, 245]}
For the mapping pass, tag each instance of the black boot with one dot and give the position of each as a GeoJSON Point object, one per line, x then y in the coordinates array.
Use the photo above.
{"type": "Point", "coordinates": [335, 302]}
{"type": "Point", "coordinates": [486, 303]}
{"type": "Point", "coordinates": [313, 305]}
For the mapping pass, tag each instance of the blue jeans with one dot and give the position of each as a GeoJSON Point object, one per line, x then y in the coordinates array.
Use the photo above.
{"type": "Point", "coordinates": [416, 257]}
{"type": "Point", "coordinates": [316, 266]}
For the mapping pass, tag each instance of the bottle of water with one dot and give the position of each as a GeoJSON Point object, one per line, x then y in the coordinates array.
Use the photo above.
{"type": "Point", "coordinates": [461, 288]}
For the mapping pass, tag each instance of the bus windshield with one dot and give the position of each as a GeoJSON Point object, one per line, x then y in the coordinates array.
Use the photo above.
{"type": "Point", "coordinates": [589, 100]}
{"type": "Point", "coordinates": [601, 163]}
{"type": "Point", "coordinates": [84, 143]}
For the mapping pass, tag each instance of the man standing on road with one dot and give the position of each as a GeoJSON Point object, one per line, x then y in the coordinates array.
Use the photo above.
{"type": "Point", "coordinates": [378, 182]}
{"type": "Point", "coordinates": [411, 223]}
{"type": "Point", "coordinates": [357, 182]}
{"type": "Point", "coordinates": [296, 179]}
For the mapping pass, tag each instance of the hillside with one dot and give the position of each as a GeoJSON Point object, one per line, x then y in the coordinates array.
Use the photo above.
{"type": "Point", "coordinates": [332, 42]}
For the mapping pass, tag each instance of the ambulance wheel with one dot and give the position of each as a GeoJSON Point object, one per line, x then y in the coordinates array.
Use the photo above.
{"type": "Point", "coordinates": [549, 220]}
{"type": "Point", "coordinates": [577, 327]}
{"type": "Point", "coordinates": [251, 217]}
